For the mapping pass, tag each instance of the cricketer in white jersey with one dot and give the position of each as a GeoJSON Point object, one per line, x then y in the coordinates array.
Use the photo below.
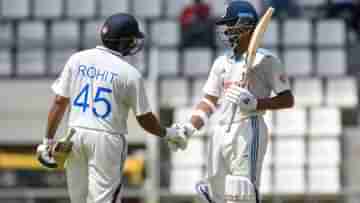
{"type": "Point", "coordinates": [240, 152]}
{"type": "Point", "coordinates": [235, 156]}
{"type": "Point", "coordinates": [100, 88]}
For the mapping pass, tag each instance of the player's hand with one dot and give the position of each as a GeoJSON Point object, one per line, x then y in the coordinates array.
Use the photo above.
{"type": "Point", "coordinates": [188, 129]}
{"type": "Point", "coordinates": [173, 146]}
{"type": "Point", "coordinates": [176, 138]}
{"type": "Point", "coordinates": [44, 154]}
{"type": "Point", "coordinates": [241, 97]}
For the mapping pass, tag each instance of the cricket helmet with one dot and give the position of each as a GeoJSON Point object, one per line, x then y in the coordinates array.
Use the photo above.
{"type": "Point", "coordinates": [121, 33]}
{"type": "Point", "coordinates": [240, 17]}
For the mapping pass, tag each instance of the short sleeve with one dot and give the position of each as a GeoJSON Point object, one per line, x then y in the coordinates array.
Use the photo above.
{"type": "Point", "coordinates": [276, 74]}
{"type": "Point", "coordinates": [137, 97]}
{"type": "Point", "coordinates": [214, 82]}
{"type": "Point", "coordinates": [61, 86]}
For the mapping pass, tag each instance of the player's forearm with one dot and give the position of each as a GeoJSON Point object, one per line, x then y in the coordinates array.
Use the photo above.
{"type": "Point", "coordinates": [203, 111]}
{"type": "Point", "coordinates": [151, 124]}
{"type": "Point", "coordinates": [197, 122]}
{"type": "Point", "coordinates": [55, 115]}
{"type": "Point", "coordinates": [200, 115]}
{"type": "Point", "coordinates": [281, 101]}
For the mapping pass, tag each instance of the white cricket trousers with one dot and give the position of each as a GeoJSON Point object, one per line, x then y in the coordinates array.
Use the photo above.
{"type": "Point", "coordinates": [94, 167]}
{"type": "Point", "coordinates": [239, 152]}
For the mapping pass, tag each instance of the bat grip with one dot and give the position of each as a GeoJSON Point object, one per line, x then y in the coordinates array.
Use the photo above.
{"type": "Point", "coordinates": [233, 107]}
{"type": "Point", "coordinates": [71, 133]}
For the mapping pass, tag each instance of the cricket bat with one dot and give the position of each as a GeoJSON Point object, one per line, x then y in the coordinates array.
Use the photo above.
{"type": "Point", "coordinates": [62, 148]}
{"type": "Point", "coordinates": [251, 52]}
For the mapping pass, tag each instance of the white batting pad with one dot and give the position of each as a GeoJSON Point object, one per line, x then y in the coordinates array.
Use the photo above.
{"type": "Point", "coordinates": [238, 189]}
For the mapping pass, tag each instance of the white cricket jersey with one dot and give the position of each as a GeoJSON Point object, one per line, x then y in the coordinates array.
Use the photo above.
{"type": "Point", "coordinates": [102, 88]}
{"type": "Point", "coordinates": [267, 75]}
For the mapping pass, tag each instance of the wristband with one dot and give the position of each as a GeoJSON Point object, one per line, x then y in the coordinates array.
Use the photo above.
{"type": "Point", "coordinates": [210, 104]}
{"type": "Point", "coordinates": [48, 141]}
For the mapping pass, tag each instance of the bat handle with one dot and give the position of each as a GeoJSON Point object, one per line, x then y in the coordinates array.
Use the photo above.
{"type": "Point", "coordinates": [233, 106]}
{"type": "Point", "coordinates": [71, 133]}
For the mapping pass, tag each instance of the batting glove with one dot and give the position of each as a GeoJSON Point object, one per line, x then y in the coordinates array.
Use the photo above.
{"type": "Point", "coordinates": [241, 97]}
{"type": "Point", "coordinates": [176, 138]}
{"type": "Point", "coordinates": [188, 129]}
{"type": "Point", "coordinates": [44, 156]}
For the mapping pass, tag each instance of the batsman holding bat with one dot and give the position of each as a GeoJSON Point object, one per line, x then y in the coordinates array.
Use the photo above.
{"type": "Point", "coordinates": [100, 88]}
{"type": "Point", "coordinates": [236, 153]}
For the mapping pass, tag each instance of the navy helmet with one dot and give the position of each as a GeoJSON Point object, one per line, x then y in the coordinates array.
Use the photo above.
{"type": "Point", "coordinates": [239, 12]}
{"type": "Point", "coordinates": [240, 18]}
{"type": "Point", "coordinates": [121, 33]}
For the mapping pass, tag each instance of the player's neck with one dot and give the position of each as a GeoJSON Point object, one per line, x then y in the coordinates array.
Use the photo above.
{"type": "Point", "coordinates": [241, 49]}
{"type": "Point", "coordinates": [243, 45]}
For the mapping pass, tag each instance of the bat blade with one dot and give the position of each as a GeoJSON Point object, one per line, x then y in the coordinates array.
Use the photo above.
{"type": "Point", "coordinates": [64, 144]}
{"type": "Point", "coordinates": [251, 51]}
{"type": "Point", "coordinates": [257, 36]}
{"type": "Point", "coordinates": [63, 148]}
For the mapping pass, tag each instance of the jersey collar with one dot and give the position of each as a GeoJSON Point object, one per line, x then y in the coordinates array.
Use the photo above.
{"type": "Point", "coordinates": [110, 51]}
{"type": "Point", "coordinates": [235, 58]}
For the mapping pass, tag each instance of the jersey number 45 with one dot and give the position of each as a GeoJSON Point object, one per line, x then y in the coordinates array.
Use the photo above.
{"type": "Point", "coordinates": [82, 100]}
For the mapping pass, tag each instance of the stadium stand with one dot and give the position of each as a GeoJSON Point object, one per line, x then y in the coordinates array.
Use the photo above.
{"type": "Point", "coordinates": [50, 9]}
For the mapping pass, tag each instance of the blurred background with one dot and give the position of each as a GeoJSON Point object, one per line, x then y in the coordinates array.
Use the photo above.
{"type": "Point", "coordinates": [314, 149]}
